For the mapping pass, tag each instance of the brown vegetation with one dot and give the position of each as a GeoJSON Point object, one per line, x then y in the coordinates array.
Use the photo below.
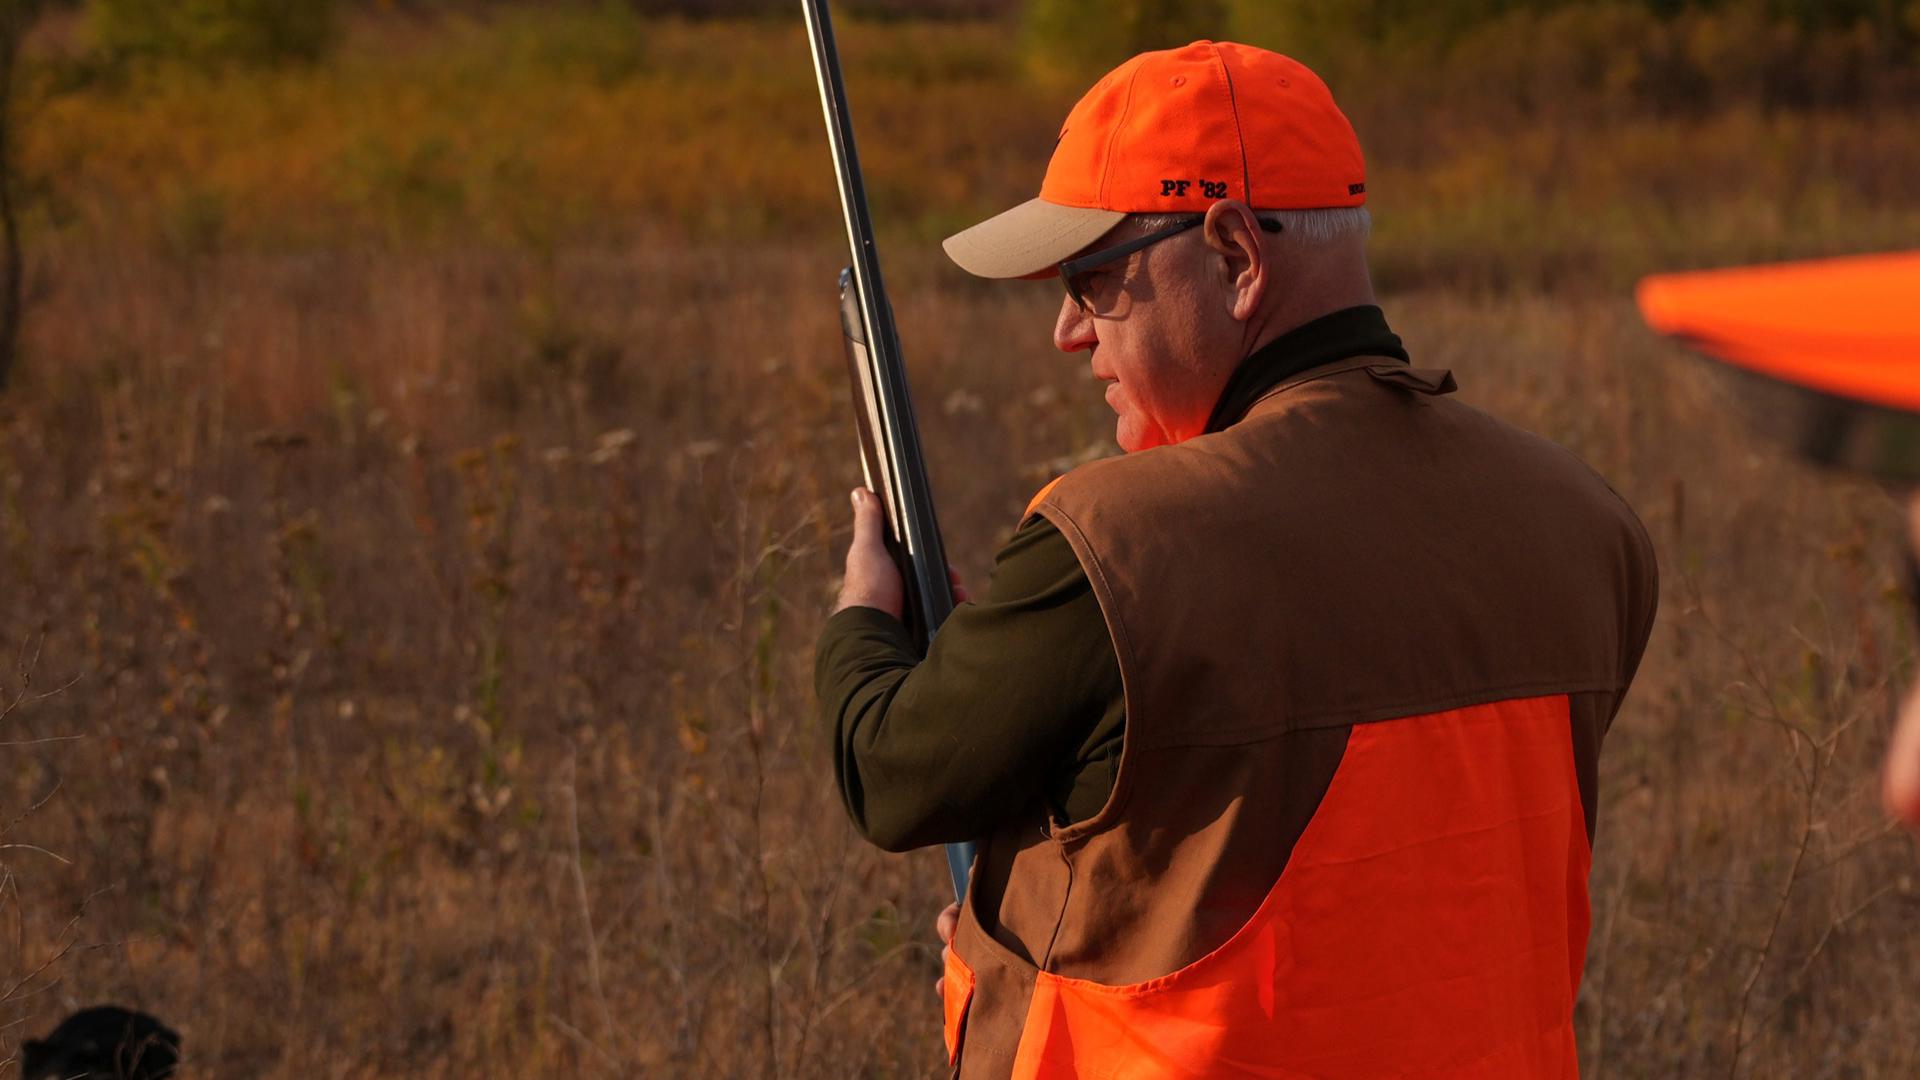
{"type": "Point", "coordinates": [408, 618]}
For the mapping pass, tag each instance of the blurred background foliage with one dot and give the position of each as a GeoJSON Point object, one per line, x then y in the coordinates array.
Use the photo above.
{"type": "Point", "coordinates": [1078, 39]}
{"type": "Point", "coordinates": [1091, 33]}
{"type": "Point", "coordinates": [212, 31]}
{"type": "Point", "coordinates": [1614, 135]}
{"type": "Point", "coordinates": [430, 423]}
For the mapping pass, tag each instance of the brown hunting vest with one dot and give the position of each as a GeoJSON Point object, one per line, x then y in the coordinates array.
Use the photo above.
{"type": "Point", "coordinates": [1370, 639]}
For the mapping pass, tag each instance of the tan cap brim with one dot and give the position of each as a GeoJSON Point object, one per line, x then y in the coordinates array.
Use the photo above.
{"type": "Point", "coordinates": [1029, 239]}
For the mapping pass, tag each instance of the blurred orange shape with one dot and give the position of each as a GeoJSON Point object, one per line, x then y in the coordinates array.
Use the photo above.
{"type": "Point", "coordinates": [1849, 327]}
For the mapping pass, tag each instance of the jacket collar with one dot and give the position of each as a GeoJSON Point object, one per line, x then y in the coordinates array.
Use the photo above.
{"type": "Point", "coordinates": [1341, 335]}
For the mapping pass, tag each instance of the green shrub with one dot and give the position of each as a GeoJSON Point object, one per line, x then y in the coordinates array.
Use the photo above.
{"type": "Point", "coordinates": [1512, 59]}
{"type": "Point", "coordinates": [605, 41]}
{"type": "Point", "coordinates": [213, 32]}
{"type": "Point", "coordinates": [1081, 38]}
{"type": "Point", "coordinates": [888, 10]}
{"type": "Point", "coordinates": [1307, 26]}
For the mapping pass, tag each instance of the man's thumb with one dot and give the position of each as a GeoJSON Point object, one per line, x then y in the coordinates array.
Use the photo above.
{"type": "Point", "coordinates": [872, 579]}
{"type": "Point", "coordinates": [869, 525]}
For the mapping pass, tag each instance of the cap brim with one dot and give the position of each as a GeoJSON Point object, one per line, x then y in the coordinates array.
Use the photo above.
{"type": "Point", "coordinates": [1029, 239]}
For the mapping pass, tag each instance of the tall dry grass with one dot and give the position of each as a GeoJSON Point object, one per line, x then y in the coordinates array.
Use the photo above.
{"type": "Point", "coordinates": [408, 626]}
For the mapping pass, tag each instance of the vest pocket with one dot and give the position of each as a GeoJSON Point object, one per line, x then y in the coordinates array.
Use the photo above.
{"type": "Point", "coordinates": [957, 996]}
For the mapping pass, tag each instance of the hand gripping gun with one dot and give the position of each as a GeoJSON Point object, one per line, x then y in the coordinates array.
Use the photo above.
{"type": "Point", "coordinates": [890, 456]}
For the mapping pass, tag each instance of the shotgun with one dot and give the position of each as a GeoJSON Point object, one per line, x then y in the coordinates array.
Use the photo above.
{"type": "Point", "coordinates": [890, 457]}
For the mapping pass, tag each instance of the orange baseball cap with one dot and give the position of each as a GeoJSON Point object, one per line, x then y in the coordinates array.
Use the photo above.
{"type": "Point", "coordinates": [1176, 131]}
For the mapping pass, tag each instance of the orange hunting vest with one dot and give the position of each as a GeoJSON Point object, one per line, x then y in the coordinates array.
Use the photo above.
{"type": "Point", "coordinates": [1370, 639]}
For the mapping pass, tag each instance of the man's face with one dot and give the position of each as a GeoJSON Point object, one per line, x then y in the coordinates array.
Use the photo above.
{"type": "Point", "coordinates": [1157, 333]}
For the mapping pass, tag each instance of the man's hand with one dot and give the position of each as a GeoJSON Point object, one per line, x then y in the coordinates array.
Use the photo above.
{"type": "Point", "coordinates": [1901, 788]}
{"type": "Point", "coordinates": [945, 924]}
{"type": "Point", "coordinates": [872, 579]}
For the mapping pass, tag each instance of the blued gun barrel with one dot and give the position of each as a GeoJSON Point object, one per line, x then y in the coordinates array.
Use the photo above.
{"type": "Point", "coordinates": [890, 455]}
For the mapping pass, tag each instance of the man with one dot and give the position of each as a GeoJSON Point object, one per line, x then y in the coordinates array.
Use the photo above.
{"type": "Point", "coordinates": [1279, 731]}
{"type": "Point", "coordinates": [1841, 338]}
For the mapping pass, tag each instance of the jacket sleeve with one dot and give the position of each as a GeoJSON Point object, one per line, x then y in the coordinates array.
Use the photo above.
{"type": "Point", "coordinates": [1019, 699]}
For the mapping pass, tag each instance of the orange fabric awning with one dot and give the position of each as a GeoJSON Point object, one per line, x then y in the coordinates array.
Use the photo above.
{"type": "Point", "coordinates": [1848, 327]}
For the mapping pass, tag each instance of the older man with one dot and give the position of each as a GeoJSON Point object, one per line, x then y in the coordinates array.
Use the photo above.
{"type": "Point", "coordinates": [1279, 730]}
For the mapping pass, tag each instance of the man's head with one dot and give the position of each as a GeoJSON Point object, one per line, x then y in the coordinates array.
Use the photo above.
{"type": "Point", "coordinates": [1200, 202]}
{"type": "Point", "coordinates": [1165, 326]}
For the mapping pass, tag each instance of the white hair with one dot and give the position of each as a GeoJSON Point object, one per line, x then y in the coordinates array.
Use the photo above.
{"type": "Point", "coordinates": [1304, 226]}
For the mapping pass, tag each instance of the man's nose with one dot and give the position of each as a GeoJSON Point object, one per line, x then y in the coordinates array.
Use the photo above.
{"type": "Point", "coordinates": [1073, 330]}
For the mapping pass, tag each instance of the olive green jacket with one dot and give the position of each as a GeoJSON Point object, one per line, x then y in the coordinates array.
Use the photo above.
{"type": "Point", "coordinates": [1021, 691]}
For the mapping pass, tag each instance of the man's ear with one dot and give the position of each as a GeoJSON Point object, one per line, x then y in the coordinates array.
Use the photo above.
{"type": "Point", "coordinates": [1233, 232]}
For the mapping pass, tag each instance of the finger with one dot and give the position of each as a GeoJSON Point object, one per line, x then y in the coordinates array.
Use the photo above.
{"type": "Point", "coordinates": [872, 579]}
{"type": "Point", "coordinates": [868, 549]}
{"type": "Point", "coordinates": [869, 524]}
{"type": "Point", "coordinates": [960, 593]}
{"type": "Point", "coordinates": [1901, 785]}
{"type": "Point", "coordinates": [947, 922]}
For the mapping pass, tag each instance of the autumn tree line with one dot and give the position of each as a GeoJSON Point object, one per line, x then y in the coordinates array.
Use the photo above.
{"type": "Point", "coordinates": [1523, 61]}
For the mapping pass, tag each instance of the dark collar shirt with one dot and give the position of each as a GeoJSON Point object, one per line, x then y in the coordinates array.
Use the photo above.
{"type": "Point", "coordinates": [1019, 699]}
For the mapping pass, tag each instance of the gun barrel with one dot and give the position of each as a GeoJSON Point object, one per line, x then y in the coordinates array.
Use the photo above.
{"type": "Point", "coordinates": [890, 443]}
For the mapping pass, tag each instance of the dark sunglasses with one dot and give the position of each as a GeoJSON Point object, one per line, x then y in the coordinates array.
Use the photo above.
{"type": "Point", "coordinates": [1073, 271]}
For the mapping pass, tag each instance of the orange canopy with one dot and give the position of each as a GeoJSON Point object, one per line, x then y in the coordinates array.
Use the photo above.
{"type": "Point", "coordinates": [1848, 327]}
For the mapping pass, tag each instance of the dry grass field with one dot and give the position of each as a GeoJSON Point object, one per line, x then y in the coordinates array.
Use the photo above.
{"type": "Point", "coordinates": [427, 473]}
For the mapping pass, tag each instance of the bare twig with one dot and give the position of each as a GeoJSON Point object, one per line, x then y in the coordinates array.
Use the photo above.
{"type": "Point", "coordinates": [580, 898]}
{"type": "Point", "coordinates": [65, 936]}
{"type": "Point", "coordinates": [62, 860]}
{"type": "Point", "coordinates": [1846, 917]}
{"type": "Point", "coordinates": [23, 815]}
{"type": "Point", "coordinates": [1773, 931]}
{"type": "Point", "coordinates": [8, 744]}
{"type": "Point", "coordinates": [823, 935]}
{"type": "Point", "coordinates": [580, 1037]}
{"type": "Point", "coordinates": [1810, 771]}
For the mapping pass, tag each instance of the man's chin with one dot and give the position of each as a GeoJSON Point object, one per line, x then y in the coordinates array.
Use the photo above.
{"type": "Point", "coordinates": [1132, 438]}
{"type": "Point", "coordinates": [1134, 432]}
